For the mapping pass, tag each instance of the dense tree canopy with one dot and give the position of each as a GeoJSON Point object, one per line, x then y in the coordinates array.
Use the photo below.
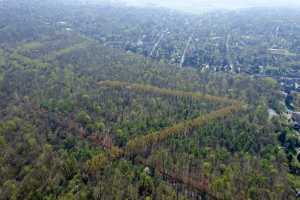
{"type": "Point", "coordinates": [82, 117]}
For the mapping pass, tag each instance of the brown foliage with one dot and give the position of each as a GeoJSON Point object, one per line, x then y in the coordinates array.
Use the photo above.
{"type": "Point", "coordinates": [164, 91]}
{"type": "Point", "coordinates": [139, 144]}
{"type": "Point", "coordinates": [199, 185]}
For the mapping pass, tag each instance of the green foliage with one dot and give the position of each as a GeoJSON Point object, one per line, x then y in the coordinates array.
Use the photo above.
{"type": "Point", "coordinates": [98, 162]}
{"type": "Point", "coordinates": [122, 137]}
{"type": "Point", "coordinates": [31, 46]}
{"type": "Point", "coordinates": [270, 82]}
{"type": "Point", "coordinates": [294, 180]}
{"type": "Point", "coordinates": [83, 118]}
{"type": "Point", "coordinates": [146, 185]}
{"type": "Point", "coordinates": [69, 168]}
{"type": "Point", "coordinates": [64, 127]}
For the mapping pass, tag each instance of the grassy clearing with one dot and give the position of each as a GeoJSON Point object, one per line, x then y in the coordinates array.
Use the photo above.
{"type": "Point", "coordinates": [282, 52]}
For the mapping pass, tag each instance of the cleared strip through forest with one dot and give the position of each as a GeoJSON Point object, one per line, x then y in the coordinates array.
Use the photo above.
{"type": "Point", "coordinates": [115, 153]}
{"type": "Point", "coordinates": [53, 55]}
{"type": "Point", "coordinates": [165, 91]}
{"type": "Point", "coordinates": [139, 143]}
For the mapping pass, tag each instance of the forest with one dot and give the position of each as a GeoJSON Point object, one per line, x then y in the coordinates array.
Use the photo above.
{"type": "Point", "coordinates": [91, 109]}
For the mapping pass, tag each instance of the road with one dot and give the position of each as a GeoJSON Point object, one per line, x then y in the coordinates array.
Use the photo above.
{"type": "Point", "coordinates": [185, 50]}
{"type": "Point", "coordinates": [158, 42]}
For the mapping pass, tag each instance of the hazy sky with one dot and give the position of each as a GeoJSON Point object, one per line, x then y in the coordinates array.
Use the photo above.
{"type": "Point", "coordinates": [207, 4]}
